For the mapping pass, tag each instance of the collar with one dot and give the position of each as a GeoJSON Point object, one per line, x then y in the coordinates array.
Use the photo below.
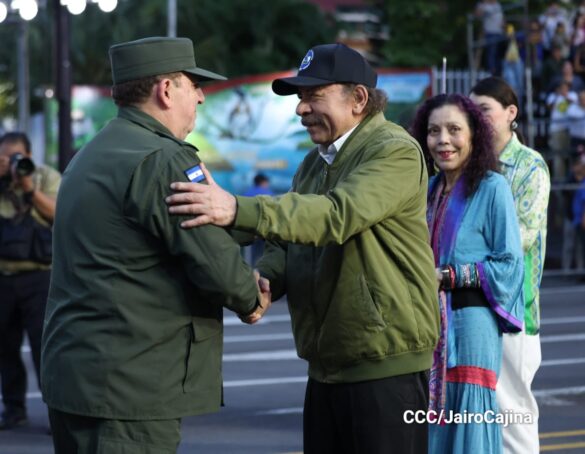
{"type": "Point", "coordinates": [508, 154]}
{"type": "Point", "coordinates": [141, 118]}
{"type": "Point", "coordinates": [329, 153]}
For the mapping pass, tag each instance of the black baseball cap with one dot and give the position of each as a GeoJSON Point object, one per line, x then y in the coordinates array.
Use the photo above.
{"type": "Point", "coordinates": [328, 64]}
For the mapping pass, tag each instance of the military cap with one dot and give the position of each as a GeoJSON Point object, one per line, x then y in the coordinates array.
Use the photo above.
{"type": "Point", "coordinates": [153, 56]}
{"type": "Point", "coordinates": [328, 64]}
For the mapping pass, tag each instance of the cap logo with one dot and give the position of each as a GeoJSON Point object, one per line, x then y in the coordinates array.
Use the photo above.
{"type": "Point", "coordinates": [307, 60]}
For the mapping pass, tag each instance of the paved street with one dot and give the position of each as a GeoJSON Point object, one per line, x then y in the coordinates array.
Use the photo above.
{"type": "Point", "coordinates": [264, 386]}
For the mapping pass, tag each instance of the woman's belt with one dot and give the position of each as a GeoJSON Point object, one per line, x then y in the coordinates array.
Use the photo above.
{"type": "Point", "coordinates": [468, 297]}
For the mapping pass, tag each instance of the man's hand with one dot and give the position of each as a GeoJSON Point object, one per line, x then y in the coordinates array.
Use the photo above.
{"type": "Point", "coordinates": [265, 297]}
{"type": "Point", "coordinates": [26, 183]}
{"type": "Point", "coordinates": [209, 202]}
{"type": "Point", "coordinates": [4, 166]}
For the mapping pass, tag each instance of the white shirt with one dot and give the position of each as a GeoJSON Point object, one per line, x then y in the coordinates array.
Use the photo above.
{"type": "Point", "coordinates": [558, 110]}
{"type": "Point", "coordinates": [329, 153]}
{"type": "Point", "coordinates": [492, 17]}
{"type": "Point", "coordinates": [576, 114]}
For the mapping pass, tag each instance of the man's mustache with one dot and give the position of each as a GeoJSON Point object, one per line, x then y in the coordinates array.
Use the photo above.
{"type": "Point", "coordinates": [310, 121]}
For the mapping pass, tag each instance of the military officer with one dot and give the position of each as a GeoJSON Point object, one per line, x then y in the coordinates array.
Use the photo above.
{"type": "Point", "coordinates": [132, 339]}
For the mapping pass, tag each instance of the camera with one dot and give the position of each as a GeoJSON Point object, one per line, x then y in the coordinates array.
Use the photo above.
{"type": "Point", "coordinates": [21, 165]}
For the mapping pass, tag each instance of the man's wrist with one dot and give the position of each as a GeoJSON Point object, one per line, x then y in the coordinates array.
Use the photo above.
{"type": "Point", "coordinates": [28, 196]}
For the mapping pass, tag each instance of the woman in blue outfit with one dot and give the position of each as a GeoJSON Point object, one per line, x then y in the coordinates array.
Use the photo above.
{"type": "Point", "coordinates": [478, 256]}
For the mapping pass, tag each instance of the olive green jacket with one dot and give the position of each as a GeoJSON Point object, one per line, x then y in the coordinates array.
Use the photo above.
{"type": "Point", "coordinates": [133, 328]}
{"type": "Point", "coordinates": [353, 257]}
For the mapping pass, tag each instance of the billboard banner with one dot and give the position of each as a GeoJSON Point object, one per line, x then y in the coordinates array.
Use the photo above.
{"type": "Point", "coordinates": [243, 128]}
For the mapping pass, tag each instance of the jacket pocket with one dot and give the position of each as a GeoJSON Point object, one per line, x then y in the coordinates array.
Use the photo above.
{"type": "Point", "coordinates": [203, 339]}
{"type": "Point", "coordinates": [354, 327]}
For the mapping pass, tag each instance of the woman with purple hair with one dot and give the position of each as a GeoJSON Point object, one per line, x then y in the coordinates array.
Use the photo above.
{"type": "Point", "coordinates": [478, 257]}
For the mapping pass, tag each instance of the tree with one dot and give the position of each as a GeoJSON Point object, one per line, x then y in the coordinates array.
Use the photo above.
{"type": "Point", "coordinates": [423, 31]}
{"type": "Point", "coordinates": [232, 37]}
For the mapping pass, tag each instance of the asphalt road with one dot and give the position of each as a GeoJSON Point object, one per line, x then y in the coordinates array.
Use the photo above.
{"type": "Point", "coordinates": [265, 381]}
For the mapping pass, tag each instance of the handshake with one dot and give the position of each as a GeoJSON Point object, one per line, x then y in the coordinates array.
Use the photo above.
{"type": "Point", "coordinates": [264, 300]}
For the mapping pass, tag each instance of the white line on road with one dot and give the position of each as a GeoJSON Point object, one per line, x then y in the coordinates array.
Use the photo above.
{"type": "Point", "coordinates": [232, 320]}
{"type": "Point", "coordinates": [561, 320]}
{"type": "Point", "coordinates": [264, 381]}
{"type": "Point", "coordinates": [275, 355]}
{"type": "Point", "coordinates": [282, 411]}
{"type": "Point", "coordinates": [288, 380]}
{"type": "Point", "coordinates": [559, 391]}
{"type": "Point", "coordinates": [558, 290]}
{"type": "Point", "coordinates": [257, 337]}
{"type": "Point", "coordinates": [562, 338]}
{"type": "Point", "coordinates": [562, 362]}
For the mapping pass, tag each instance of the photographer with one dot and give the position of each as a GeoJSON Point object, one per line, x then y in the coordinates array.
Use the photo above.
{"type": "Point", "coordinates": [27, 208]}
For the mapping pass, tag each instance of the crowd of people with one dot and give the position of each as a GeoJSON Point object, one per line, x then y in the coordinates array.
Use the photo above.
{"type": "Point", "coordinates": [410, 260]}
{"type": "Point", "coordinates": [553, 45]}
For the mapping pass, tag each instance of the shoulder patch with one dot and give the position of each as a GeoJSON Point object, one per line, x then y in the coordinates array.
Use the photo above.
{"type": "Point", "coordinates": [194, 174]}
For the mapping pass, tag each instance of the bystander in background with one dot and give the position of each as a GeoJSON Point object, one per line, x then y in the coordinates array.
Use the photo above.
{"type": "Point", "coordinates": [27, 207]}
{"type": "Point", "coordinates": [261, 187]}
{"type": "Point", "coordinates": [492, 17]}
{"type": "Point", "coordinates": [579, 204]}
{"type": "Point", "coordinates": [559, 143]}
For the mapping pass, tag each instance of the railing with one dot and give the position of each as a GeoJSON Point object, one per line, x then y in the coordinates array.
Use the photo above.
{"type": "Point", "coordinates": [456, 80]}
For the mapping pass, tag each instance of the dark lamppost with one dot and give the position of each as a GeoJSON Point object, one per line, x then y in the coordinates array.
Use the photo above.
{"type": "Point", "coordinates": [63, 73]}
{"type": "Point", "coordinates": [63, 82]}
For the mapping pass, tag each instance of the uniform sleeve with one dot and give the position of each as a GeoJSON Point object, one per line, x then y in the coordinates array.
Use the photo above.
{"type": "Point", "coordinates": [532, 202]}
{"type": "Point", "coordinates": [502, 272]}
{"type": "Point", "coordinates": [375, 190]}
{"type": "Point", "coordinates": [209, 255]}
{"type": "Point", "coordinates": [272, 265]}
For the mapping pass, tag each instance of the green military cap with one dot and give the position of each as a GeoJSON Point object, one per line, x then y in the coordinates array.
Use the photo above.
{"type": "Point", "coordinates": [153, 56]}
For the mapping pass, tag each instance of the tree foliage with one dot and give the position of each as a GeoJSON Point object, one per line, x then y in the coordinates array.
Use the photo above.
{"type": "Point", "coordinates": [232, 37]}
{"type": "Point", "coordinates": [422, 32]}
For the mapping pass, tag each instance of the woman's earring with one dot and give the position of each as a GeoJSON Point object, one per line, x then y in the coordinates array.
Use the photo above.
{"type": "Point", "coordinates": [513, 125]}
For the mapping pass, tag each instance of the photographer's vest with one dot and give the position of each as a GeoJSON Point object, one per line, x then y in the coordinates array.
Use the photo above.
{"type": "Point", "coordinates": [25, 236]}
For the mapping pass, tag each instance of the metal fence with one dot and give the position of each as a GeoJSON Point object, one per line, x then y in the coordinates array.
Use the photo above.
{"type": "Point", "coordinates": [456, 80]}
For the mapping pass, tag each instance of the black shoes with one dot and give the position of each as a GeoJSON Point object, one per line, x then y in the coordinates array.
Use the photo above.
{"type": "Point", "coordinates": [12, 420]}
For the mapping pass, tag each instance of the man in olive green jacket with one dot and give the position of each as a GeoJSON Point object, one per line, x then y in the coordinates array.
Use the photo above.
{"type": "Point", "coordinates": [350, 249]}
{"type": "Point", "coordinates": [133, 331]}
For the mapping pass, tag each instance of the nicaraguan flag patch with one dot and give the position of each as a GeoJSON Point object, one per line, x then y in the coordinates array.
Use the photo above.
{"type": "Point", "coordinates": [195, 174]}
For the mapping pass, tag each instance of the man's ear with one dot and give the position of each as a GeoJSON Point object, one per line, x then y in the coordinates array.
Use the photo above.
{"type": "Point", "coordinates": [360, 99]}
{"type": "Point", "coordinates": [162, 92]}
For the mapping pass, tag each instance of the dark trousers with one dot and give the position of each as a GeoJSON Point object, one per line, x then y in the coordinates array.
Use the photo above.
{"type": "Point", "coordinates": [365, 417]}
{"type": "Point", "coordinates": [75, 434]}
{"type": "Point", "coordinates": [22, 308]}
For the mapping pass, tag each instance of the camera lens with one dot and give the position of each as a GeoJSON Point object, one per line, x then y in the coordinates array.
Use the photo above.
{"type": "Point", "coordinates": [22, 165]}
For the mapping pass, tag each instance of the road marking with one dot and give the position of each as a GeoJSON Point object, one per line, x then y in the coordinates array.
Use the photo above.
{"type": "Point", "coordinates": [286, 380]}
{"type": "Point", "coordinates": [282, 411]}
{"type": "Point", "coordinates": [567, 289]}
{"type": "Point", "coordinates": [559, 391]}
{"type": "Point", "coordinates": [232, 320]}
{"type": "Point", "coordinates": [562, 362]}
{"type": "Point", "coordinates": [257, 337]}
{"type": "Point", "coordinates": [562, 338]}
{"type": "Point", "coordinates": [570, 433]}
{"type": "Point", "coordinates": [264, 382]}
{"type": "Point", "coordinates": [275, 355]}
{"type": "Point", "coordinates": [562, 446]}
{"type": "Point", "coordinates": [289, 336]}
{"type": "Point", "coordinates": [561, 320]}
